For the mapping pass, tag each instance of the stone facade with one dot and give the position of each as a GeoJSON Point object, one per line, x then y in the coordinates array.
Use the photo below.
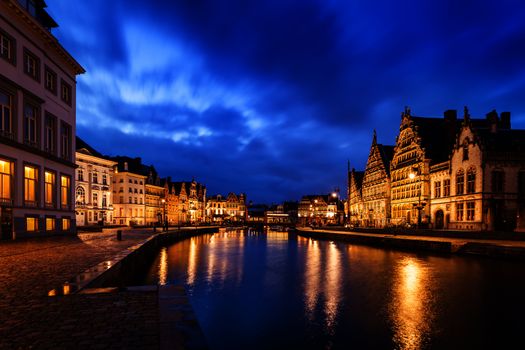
{"type": "Point", "coordinates": [356, 215]}
{"type": "Point", "coordinates": [221, 209]}
{"type": "Point", "coordinates": [94, 183]}
{"type": "Point", "coordinates": [129, 192]}
{"type": "Point", "coordinates": [376, 185]}
{"type": "Point", "coordinates": [318, 210]}
{"type": "Point", "coordinates": [185, 202]}
{"type": "Point", "coordinates": [447, 173]}
{"type": "Point", "coordinates": [37, 124]}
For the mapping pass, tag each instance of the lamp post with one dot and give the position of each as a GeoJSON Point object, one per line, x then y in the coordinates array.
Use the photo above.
{"type": "Point", "coordinates": [412, 175]}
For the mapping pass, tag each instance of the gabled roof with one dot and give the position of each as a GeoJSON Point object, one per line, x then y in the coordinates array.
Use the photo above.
{"type": "Point", "coordinates": [387, 153]}
{"type": "Point", "coordinates": [357, 177]}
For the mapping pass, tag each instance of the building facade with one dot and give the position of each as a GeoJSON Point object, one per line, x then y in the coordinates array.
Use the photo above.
{"type": "Point", "coordinates": [376, 185]}
{"type": "Point", "coordinates": [456, 174]}
{"type": "Point", "coordinates": [93, 189]}
{"type": "Point", "coordinates": [221, 209]}
{"type": "Point", "coordinates": [37, 124]}
{"type": "Point", "coordinates": [185, 202]}
{"type": "Point", "coordinates": [356, 214]}
{"type": "Point", "coordinates": [129, 194]}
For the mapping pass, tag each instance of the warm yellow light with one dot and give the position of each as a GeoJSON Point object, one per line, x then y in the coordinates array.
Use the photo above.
{"type": "Point", "coordinates": [411, 176]}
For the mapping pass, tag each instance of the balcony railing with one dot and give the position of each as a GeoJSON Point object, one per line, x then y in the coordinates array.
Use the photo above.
{"type": "Point", "coordinates": [6, 201]}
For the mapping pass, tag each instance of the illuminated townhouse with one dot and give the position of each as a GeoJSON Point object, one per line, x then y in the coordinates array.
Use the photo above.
{"type": "Point", "coordinates": [37, 124]}
{"type": "Point", "coordinates": [186, 202]}
{"type": "Point", "coordinates": [356, 215]}
{"type": "Point", "coordinates": [226, 209]}
{"type": "Point", "coordinates": [129, 192]}
{"type": "Point", "coordinates": [94, 184]}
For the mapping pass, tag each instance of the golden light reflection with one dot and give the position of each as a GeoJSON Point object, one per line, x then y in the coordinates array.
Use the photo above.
{"type": "Point", "coordinates": [332, 286]}
{"type": "Point", "coordinates": [411, 304]}
{"type": "Point", "coordinates": [163, 266]}
{"type": "Point", "coordinates": [192, 262]}
{"type": "Point", "coordinates": [66, 289]}
{"type": "Point", "coordinates": [312, 277]}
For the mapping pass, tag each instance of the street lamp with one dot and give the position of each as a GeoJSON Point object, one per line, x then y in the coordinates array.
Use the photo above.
{"type": "Point", "coordinates": [412, 175]}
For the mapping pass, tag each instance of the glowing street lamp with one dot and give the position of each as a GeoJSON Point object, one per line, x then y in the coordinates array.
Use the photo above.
{"type": "Point", "coordinates": [164, 221]}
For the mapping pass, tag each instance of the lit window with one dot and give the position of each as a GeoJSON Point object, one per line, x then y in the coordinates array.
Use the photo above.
{"type": "Point", "coordinates": [30, 185]}
{"type": "Point", "coordinates": [6, 173]}
{"type": "Point", "coordinates": [80, 174]}
{"type": "Point", "coordinates": [65, 183]}
{"type": "Point", "coordinates": [459, 211]}
{"type": "Point", "coordinates": [471, 180]}
{"type": "Point", "coordinates": [66, 224]}
{"type": "Point", "coordinates": [446, 188]}
{"type": "Point", "coordinates": [95, 199]}
{"type": "Point", "coordinates": [31, 224]}
{"type": "Point", "coordinates": [49, 186]}
{"type": "Point", "coordinates": [6, 116]}
{"type": "Point", "coordinates": [460, 182]}
{"type": "Point", "coordinates": [50, 224]}
{"type": "Point", "coordinates": [80, 196]}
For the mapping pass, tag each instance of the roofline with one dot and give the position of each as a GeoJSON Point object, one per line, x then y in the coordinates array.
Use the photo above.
{"type": "Point", "coordinates": [131, 173]}
{"type": "Point", "coordinates": [48, 37]}
{"type": "Point", "coordinates": [89, 156]}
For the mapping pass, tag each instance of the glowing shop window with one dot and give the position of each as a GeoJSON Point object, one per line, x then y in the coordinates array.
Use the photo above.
{"type": "Point", "coordinates": [31, 224]}
{"type": "Point", "coordinates": [66, 224]}
{"type": "Point", "coordinates": [50, 224]}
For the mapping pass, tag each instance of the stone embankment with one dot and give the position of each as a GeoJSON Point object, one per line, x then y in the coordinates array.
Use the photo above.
{"type": "Point", "coordinates": [496, 248]}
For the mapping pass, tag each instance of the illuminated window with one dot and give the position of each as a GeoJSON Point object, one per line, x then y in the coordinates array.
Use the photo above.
{"type": "Point", "coordinates": [80, 174]}
{"type": "Point", "coordinates": [30, 185]}
{"type": "Point", "coordinates": [104, 179]}
{"type": "Point", "coordinates": [7, 47]}
{"type": "Point", "coordinates": [50, 224]}
{"type": "Point", "coordinates": [31, 224]}
{"type": "Point", "coordinates": [50, 79]}
{"type": "Point", "coordinates": [437, 189]}
{"type": "Point", "coordinates": [80, 195]}
{"type": "Point", "coordinates": [6, 172]}
{"type": "Point", "coordinates": [31, 65]}
{"type": "Point", "coordinates": [471, 210]}
{"type": "Point", "coordinates": [95, 199]}
{"type": "Point", "coordinates": [95, 177]}
{"type": "Point", "coordinates": [49, 187]}
{"type": "Point", "coordinates": [65, 185]}
{"type": "Point", "coordinates": [104, 201]}
{"type": "Point", "coordinates": [31, 125]}
{"type": "Point", "coordinates": [6, 115]}
{"type": "Point", "coordinates": [66, 224]}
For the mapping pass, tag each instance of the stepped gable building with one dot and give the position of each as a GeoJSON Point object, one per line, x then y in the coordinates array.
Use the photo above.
{"type": "Point", "coordinates": [93, 189]}
{"type": "Point", "coordinates": [186, 202]}
{"type": "Point", "coordinates": [37, 124]}
{"type": "Point", "coordinates": [318, 209]}
{"type": "Point", "coordinates": [376, 185]}
{"type": "Point", "coordinates": [356, 215]}
{"type": "Point", "coordinates": [231, 208]}
{"type": "Point", "coordinates": [129, 192]}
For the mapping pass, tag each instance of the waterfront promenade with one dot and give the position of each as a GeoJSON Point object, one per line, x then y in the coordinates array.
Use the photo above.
{"type": "Point", "coordinates": [30, 268]}
{"type": "Point", "coordinates": [501, 248]}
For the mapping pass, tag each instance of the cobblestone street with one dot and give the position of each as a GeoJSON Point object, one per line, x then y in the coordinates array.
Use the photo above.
{"type": "Point", "coordinates": [31, 319]}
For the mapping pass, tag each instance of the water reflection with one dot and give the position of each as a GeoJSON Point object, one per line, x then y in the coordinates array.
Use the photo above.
{"type": "Point", "coordinates": [411, 308]}
{"type": "Point", "coordinates": [192, 262]}
{"type": "Point", "coordinates": [312, 276]}
{"type": "Point", "coordinates": [163, 266]}
{"type": "Point", "coordinates": [333, 287]}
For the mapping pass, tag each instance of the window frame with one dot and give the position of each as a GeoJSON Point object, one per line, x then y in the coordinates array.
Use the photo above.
{"type": "Point", "coordinates": [67, 99]}
{"type": "Point", "coordinates": [67, 205]}
{"type": "Point", "coordinates": [53, 89]}
{"type": "Point", "coordinates": [29, 55]}
{"type": "Point", "coordinates": [27, 202]}
{"type": "Point", "coordinates": [53, 190]}
{"type": "Point", "coordinates": [6, 36]}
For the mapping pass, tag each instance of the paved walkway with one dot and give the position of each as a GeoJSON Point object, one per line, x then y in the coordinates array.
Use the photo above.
{"type": "Point", "coordinates": [30, 319]}
{"type": "Point", "coordinates": [504, 243]}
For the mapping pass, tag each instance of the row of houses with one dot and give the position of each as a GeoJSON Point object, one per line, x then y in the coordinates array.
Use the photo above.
{"type": "Point", "coordinates": [50, 180]}
{"type": "Point", "coordinates": [443, 173]}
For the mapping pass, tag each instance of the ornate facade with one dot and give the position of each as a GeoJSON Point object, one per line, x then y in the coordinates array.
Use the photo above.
{"type": "Point", "coordinates": [230, 209]}
{"type": "Point", "coordinates": [447, 173]}
{"type": "Point", "coordinates": [376, 185]}
{"type": "Point", "coordinates": [356, 214]}
{"type": "Point", "coordinates": [186, 202]}
{"type": "Point", "coordinates": [93, 191]}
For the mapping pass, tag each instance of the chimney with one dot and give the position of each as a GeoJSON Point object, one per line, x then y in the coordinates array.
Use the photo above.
{"type": "Point", "coordinates": [492, 118]}
{"type": "Point", "coordinates": [125, 166]}
{"type": "Point", "coordinates": [505, 120]}
{"type": "Point", "coordinates": [450, 115]}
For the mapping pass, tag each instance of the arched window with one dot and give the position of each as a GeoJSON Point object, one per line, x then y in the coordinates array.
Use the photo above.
{"type": "Point", "coordinates": [460, 182]}
{"type": "Point", "coordinates": [80, 195]}
{"type": "Point", "coordinates": [471, 180]}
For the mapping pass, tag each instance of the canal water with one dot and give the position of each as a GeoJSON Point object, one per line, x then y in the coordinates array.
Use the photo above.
{"type": "Point", "coordinates": [273, 290]}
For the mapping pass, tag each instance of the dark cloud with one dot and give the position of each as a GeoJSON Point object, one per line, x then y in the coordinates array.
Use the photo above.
{"type": "Point", "coordinates": [272, 97]}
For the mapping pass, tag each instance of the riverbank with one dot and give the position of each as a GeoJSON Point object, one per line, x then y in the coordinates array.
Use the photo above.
{"type": "Point", "coordinates": [495, 248]}
{"type": "Point", "coordinates": [109, 317]}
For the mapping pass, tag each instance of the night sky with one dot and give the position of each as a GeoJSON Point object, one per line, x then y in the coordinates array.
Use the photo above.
{"type": "Point", "coordinates": [272, 97]}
